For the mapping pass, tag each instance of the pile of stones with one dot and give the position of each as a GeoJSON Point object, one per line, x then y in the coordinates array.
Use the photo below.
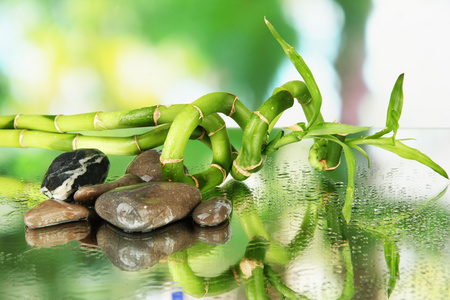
{"type": "Point", "coordinates": [139, 201]}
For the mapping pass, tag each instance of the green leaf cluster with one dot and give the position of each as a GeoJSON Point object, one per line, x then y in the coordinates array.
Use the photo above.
{"type": "Point", "coordinates": [328, 135]}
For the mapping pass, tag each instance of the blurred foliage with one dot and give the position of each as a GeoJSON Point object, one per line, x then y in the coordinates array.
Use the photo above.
{"type": "Point", "coordinates": [118, 55]}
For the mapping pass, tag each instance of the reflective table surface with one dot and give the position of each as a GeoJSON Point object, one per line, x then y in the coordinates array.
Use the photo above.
{"type": "Point", "coordinates": [303, 248]}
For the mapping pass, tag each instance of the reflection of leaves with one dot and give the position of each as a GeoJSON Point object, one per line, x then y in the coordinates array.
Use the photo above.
{"type": "Point", "coordinates": [392, 257]}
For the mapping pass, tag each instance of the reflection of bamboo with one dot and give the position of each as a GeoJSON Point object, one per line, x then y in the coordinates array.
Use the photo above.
{"type": "Point", "coordinates": [197, 286]}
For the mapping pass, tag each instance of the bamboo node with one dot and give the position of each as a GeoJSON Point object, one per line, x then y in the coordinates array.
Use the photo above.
{"type": "Point", "coordinates": [233, 108]}
{"type": "Point", "coordinates": [224, 172]}
{"type": "Point", "coordinates": [264, 119]}
{"type": "Point", "coordinates": [240, 170]}
{"type": "Point", "coordinates": [21, 138]}
{"type": "Point", "coordinates": [16, 125]}
{"type": "Point", "coordinates": [214, 132]}
{"type": "Point", "coordinates": [137, 143]}
{"type": "Point", "coordinates": [202, 135]}
{"type": "Point", "coordinates": [199, 111]}
{"type": "Point", "coordinates": [56, 125]}
{"type": "Point", "coordinates": [254, 166]}
{"type": "Point", "coordinates": [195, 180]}
{"type": "Point", "coordinates": [74, 142]}
{"type": "Point", "coordinates": [156, 115]}
{"type": "Point", "coordinates": [326, 168]}
{"type": "Point", "coordinates": [99, 122]}
{"type": "Point", "coordinates": [170, 161]}
{"type": "Point", "coordinates": [309, 100]}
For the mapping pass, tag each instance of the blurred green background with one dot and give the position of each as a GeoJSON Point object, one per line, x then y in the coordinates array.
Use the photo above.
{"type": "Point", "coordinates": [77, 56]}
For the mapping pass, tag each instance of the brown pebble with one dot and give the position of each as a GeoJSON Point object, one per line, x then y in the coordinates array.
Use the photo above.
{"type": "Point", "coordinates": [212, 212]}
{"type": "Point", "coordinates": [52, 212]}
{"type": "Point", "coordinates": [87, 195]}
{"type": "Point", "coordinates": [57, 235]}
{"type": "Point", "coordinates": [147, 165]}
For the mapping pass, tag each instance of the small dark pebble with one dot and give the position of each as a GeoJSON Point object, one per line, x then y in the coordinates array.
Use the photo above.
{"type": "Point", "coordinates": [212, 211]}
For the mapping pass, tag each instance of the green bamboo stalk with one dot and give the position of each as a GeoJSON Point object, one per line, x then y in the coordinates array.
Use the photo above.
{"type": "Point", "coordinates": [250, 159]}
{"type": "Point", "coordinates": [93, 121]}
{"type": "Point", "coordinates": [68, 142]}
{"type": "Point", "coordinates": [187, 120]}
{"type": "Point", "coordinates": [300, 91]}
{"type": "Point", "coordinates": [221, 162]}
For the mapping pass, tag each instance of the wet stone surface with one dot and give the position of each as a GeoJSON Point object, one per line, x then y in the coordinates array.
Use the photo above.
{"type": "Point", "coordinates": [213, 211]}
{"type": "Point", "coordinates": [52, 212]}
{"type": "Point", "coordinates": [144, 207]}
{"type": "Point", "coordinates": [89, 194]}
{"type": "Point", "coordinates": [147, 165]}
{"type": "Point", "coordinates": [72, 170]}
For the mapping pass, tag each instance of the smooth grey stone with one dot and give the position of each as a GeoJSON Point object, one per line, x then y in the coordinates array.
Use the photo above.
{"type": "Point", "coordinates": [213, 211]}
{"type": "Point", "coordinates": [147, 165]}
{"type": "Point", "coordinates": [72, 170]}
{"type": "Point", "coordinates": [136, 251]}
{"type": "Point", "coordinates": [146, 206]}
{"type": "Point", "coordinates": [51, 212]}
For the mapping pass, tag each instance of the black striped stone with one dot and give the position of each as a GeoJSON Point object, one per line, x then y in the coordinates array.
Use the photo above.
{"type": "Point", "coordinates": [72, 170]}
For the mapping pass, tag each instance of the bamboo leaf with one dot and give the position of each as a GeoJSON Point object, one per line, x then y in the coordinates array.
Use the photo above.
{"type": "Point", "coordinates": [395, 106]}
{"type": "Point", "coordinates": [304, 71]}
{"type": "Point", "coordinates": [334, 128]}
{"type": "Point", "coordinates": [394, 110]}
{"type": "Point", "coordinates": [404, 151]}
{"type": "Point", "coordinates": [359, 149]}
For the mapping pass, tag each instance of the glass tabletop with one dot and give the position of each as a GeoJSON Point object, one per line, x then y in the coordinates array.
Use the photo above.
{"type": "Point", "coordinates": [286, 233]}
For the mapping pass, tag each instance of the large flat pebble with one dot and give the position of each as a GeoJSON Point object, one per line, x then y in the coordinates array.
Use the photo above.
{"type": "Point", "coordinates": [144, 207]}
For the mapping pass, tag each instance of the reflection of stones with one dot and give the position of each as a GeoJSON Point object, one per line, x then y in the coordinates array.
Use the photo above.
{"type": "Point", "coordinates": [212, 211]}
{"type": "Point", "coordinates": [72, 170]}
{"type": "Point", "coordinates": [135, 251]}
{"type": "Point", "coordinates": [147, 206]}
{"type": "Point", "coordinates": [57, 235]}
{"type": "Point", "coordinates": [147, 165]}
{"type": "Point", "coordinates": [89, 194]}
{"type": "Point", "coordinates": [52, 212]}
{"type": "Point", "coordinates": [214, 235]}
